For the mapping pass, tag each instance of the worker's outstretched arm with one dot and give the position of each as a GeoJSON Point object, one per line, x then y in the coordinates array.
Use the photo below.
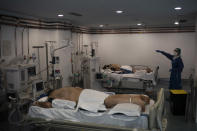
{"type": "Point", "coordinates": [169, 56]}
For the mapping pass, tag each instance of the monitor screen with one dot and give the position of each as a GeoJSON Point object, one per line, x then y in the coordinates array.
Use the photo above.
{"type": "Point", "coordinates": [39, 86]}
{"type": "Point", "coordinates": [32, 71]}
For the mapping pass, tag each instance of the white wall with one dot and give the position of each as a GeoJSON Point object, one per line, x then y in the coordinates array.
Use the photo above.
{"type": "Point", "coordinates": [38, 37]}
{"type": "Point", "coordinates": [112, 48]}
{"type": "Point", "coordinates": [140, 49]}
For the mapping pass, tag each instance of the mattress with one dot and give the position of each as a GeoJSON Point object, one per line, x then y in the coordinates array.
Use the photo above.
{"type": "Point", "coordinates": [88, 117]}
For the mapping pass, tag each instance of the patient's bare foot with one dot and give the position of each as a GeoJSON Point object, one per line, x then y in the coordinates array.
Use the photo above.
{"type": "Point", "coordinates": [146, 99]}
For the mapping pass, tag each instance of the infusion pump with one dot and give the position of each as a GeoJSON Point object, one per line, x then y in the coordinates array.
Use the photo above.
{"type": "Point", "coordinates": [18, 77]}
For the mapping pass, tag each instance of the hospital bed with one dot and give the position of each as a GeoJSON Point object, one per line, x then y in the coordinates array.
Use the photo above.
{"type": "Point", "coordinates": [153, 121]}
{"type": "Point", "coordinates": [137, 80]}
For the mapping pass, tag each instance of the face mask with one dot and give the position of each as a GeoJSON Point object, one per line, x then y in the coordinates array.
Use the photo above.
{"type": "Point", "coordinates": [175, 53]}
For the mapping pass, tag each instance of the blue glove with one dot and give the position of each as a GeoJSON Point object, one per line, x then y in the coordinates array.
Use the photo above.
{"type": "Point", "coordinates": [158, 51]}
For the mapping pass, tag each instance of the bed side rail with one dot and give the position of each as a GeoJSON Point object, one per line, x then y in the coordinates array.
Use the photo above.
{"type": "Point", "coordinates": [156, 73]}
{"type": "Point", "coordinates": [156, 112]}
{"type": "Point", "coordinates": [76, 126]}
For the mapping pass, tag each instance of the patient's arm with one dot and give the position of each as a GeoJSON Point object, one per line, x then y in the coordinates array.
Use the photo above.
{"type": "Point", "coordinates": [43, 104]}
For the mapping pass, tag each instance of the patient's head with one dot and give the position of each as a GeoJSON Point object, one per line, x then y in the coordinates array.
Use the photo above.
{"type": "Point", "coordinates": [145, 98]}
{"type": "Point", "coordinates": [115, 67]}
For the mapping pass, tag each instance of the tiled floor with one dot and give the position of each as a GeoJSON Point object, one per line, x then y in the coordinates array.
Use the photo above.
{"type": "Point", "coordinates": [177, 123]}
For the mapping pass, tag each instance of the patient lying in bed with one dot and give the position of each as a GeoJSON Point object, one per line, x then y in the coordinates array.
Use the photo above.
{"type": "Point", "coordinates": [73, 93]}
{"type": "Point", "coordinates": [116, 67]}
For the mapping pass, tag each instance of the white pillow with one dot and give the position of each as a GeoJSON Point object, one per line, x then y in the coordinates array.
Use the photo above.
{"type": "Point", "coordinates": [43, 99]}
{"type": "Point", "coordinates": [65, 104]}
{"type": "Point", "coordinates": [127, 109]}
{"type": "Point", "coordinates": [126, 67]}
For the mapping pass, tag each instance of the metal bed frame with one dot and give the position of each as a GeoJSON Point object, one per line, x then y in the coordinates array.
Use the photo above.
{"type": "Point", "coordinates": [137, 87]}
{"type": "Point", "coordinates": [148, 83]}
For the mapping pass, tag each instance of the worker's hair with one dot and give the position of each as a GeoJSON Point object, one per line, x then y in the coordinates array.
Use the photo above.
{"type": "Point", "coordinates": [178, 50]}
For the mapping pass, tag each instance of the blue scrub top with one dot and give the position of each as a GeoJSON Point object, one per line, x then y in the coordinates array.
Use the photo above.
{"type": "Point", "coordinates": [177, 68]}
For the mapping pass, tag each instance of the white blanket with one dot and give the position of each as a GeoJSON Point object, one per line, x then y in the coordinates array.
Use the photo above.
{"type": "Point", "coordinates": [91, 100]}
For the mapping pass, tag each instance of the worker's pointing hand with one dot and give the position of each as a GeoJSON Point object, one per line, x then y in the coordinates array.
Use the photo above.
{"type": "Point", "coordinates": [158, 51]}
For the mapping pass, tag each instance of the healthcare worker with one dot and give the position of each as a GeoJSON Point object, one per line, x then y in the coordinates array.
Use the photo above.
{"type": "Point", "coordinates": [177, 68]}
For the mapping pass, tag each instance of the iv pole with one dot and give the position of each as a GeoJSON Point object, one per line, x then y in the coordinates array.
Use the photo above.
{"type": "Point", "coordinates": [52, 56]}
{"type": "Point", "coordinates": [47, 57]}
{"type": "Point", "coordinates": [38, 51]}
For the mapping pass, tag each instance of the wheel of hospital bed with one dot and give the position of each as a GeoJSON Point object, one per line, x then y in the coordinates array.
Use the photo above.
{"type": "Point", "coordinates": [43, 129]}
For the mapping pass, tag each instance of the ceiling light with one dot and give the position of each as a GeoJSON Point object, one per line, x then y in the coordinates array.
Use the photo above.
{"type": "Point", "coordinates": [176, 23]}
{"type": "Point", "coordinates": [177, 8]}
{"type": "Point", "coordinates": [101, 25]}
{"type": "Point", "coordinates": [60, 15]}
{"type": "Point", "coordinates": [139, 24]}
{"type": "Point", "coordinates": [119, 11]}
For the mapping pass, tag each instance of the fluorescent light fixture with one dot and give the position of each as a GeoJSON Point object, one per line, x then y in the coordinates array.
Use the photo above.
{"type": "Point", "coordinates": [60, 15]}
{"type": "Point", "coordinates": [176, 23]}
{"type": "Point", "coordinates": [101, 25]}
{"type": "Point", "coordinates": [177, 8]}
{"type": "Point", "coordinates": [119, 11]}
{"type": "Point", "coordinates": [139, 24]}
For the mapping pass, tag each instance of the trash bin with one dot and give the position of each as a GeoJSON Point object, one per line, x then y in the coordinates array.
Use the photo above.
{"type": "Point", "coordinates": [178, 101]}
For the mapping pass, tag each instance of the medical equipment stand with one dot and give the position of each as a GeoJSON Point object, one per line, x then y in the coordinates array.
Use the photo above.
{"type": "Point", "coordinates": [47, 56]}
{"type": "Point", "coordinates": [53, 58]}
{"type": "Point", "coordinates": [47, 61]}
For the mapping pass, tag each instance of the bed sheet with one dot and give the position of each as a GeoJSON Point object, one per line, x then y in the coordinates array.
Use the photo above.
{"type": "Point", "coordinates": [138, 75]}
{"type": "Point", "coordinates": [88, 117]}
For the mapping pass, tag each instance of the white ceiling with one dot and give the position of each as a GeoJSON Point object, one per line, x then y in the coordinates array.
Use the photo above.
{"type": "Point", "coordinates": [157, 13]}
